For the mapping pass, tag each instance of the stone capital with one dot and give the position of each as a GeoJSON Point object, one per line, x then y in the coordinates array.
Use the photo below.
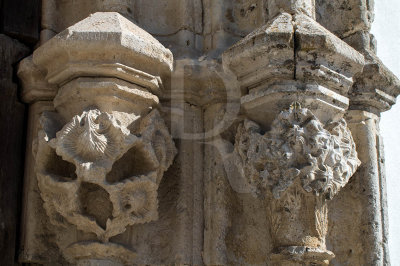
{"type": "Point", "coordinates": [297, 157]}
{"type": "Point", "coordinates": [293, 58]}
{"type": "Point", "coordinates": [376, 88]}
{"type": "Point", "coordinates": [100, 157]}
{"type": "Point", "coordinates": [297, 165]}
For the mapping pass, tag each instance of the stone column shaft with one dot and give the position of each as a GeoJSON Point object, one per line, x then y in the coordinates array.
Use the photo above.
{"type": "Point", "coordinates": [374, 91]}
{"type": "Point", "coordinates": [364, 127]}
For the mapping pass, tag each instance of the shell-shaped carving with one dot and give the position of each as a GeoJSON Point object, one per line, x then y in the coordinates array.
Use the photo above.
{"type": "Point", "coordinates": [93, 137]}
{"type": "Point", "coordinates": [297, 146]}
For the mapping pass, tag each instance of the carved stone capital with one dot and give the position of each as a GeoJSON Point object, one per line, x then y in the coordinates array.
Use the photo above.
{"type": "Point", "coordinates": [81, 177]}
{"type": "Point", "coordinates": [298, 158]}
{"type": "Point", "coordinates": [376, 88]}
{"type": "Point", "coordinates": [103, 44]}
{"type": "Point", "coordinates": [298, 165]}
{"type": "Point", "coordinates": [293, 58]}
{"type": "Point", "coordinates": [101, 156]}
{"type": "Point", "coordinates": [297, 147]}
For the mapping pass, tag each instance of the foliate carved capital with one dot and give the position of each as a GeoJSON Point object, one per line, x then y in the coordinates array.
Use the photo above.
{"type": "Point", "coordinates": [101, 156]}
{"type": "Point", "coordinates": [99, 197]}
{"type": "Point", "coordinates": [298, 146]}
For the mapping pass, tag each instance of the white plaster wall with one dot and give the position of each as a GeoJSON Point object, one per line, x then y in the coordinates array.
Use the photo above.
{"type": "Point", "coordinates": [386, 29]}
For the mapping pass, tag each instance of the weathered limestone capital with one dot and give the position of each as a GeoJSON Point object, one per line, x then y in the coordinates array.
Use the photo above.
{"type": "Point", "coordinates": [105, 44]}
{"type": "Point", "coordinates": [101, 156]}
{"type": "Point", "coordinates": [376, 88]}
{"type": "Point", "coordinates": [297, 158]}
{"type": "Point", "coordinates": [298, 165]}
{"type": "Point", "coordinates": [293, 58]}
{"type": "Point", "coordinates": [298, 146]}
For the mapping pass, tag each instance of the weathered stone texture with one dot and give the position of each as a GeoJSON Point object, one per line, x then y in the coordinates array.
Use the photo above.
{"type": "Point", "coordinates": [345, 17]}
{"type": "Point", "coordinates": [205, 132]}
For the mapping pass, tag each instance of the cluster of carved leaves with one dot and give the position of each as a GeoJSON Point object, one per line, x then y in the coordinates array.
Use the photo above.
{"type": "Point", "coordinates": [297, 146]}
{"type": "Point", "coordinates": [93, 142]}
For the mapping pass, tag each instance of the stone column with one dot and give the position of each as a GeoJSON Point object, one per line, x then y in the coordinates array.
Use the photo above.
{"type": "Point", "coordinates": [294, 148]}
{"type": "Point", "coordinates": [375, 91]}
{"type": "Point", "coordinates": [100, 157]}
{"type": "Point", "coordinates": [39, 95]}
{"type": "Point", "coordinates": [364, 127]}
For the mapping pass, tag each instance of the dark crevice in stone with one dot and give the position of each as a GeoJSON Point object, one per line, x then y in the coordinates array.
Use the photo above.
{"type": "Point", "coordinates": [63, 170]}
{"type": "Point", "coordinates": [95, 203]}
{"type": "Point", "coordinates": [133, 163]}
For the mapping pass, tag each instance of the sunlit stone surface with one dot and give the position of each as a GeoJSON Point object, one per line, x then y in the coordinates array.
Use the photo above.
{"type": "Point", "coordinates": [205, 133]}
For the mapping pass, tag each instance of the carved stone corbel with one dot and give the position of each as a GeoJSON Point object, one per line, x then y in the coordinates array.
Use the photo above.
{"type": "Point", "coordinates": [298, 158]}
{"type": "Point", "coordinates": [101, 156]}
{"type": "Point", "coordinates": [298, 165]}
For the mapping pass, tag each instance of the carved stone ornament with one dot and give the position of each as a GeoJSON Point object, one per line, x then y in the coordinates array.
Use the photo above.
{"type": "Point", "coordinates": [102, 196]}
{"type": "Point", "coordinates": [299, 164]}
{"type": "Point", "coordinates": [298, 146]}
{"type": "Point", "coordinates": [101, 155]}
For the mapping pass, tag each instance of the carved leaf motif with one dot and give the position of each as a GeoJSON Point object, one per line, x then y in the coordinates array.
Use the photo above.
{"type": "Point", "coordinates": [297, 146]}
{"type": "Point", "coordinates": [321, 217]}
{"type": "Point", "coordinates": [93, 141]}
{"type": "Point", "coordinates": [93, 137]}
